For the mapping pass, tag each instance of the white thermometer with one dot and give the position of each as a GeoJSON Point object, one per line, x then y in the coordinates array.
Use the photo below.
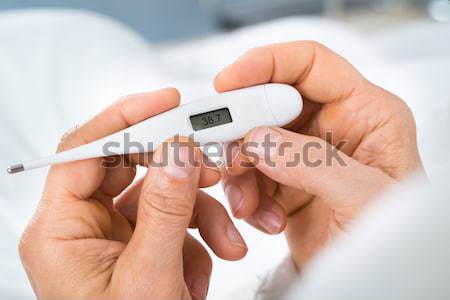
{"type": "Point", "coordinates": [220, 118]}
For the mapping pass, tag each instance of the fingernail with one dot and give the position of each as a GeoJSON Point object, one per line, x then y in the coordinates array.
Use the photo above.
{"type": "Point", "coordinates": [267, 141]}
{"type": "Point", "coordinates": [231, 153]}
{"type": "Point", "coordinates": [234, 237]}
{"type": "Point", "coordinates": [180, 161]}
{"type": "Point", "coordinates": [234, 153]}
{"type": "Point", "coordinates": [271, 222]}
{"type": "Point", "coordinates": [234, 195]}
{"type": "Point", "coordinates": [199, 287]}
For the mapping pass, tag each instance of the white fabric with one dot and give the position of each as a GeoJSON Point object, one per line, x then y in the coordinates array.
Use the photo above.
{"type": "Point", "coordinates": [398, 249]}
{"type": "Point", "coordinates": [57, 68]}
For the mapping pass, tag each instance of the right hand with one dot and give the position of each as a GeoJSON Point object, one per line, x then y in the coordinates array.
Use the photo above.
{"type": "Point", "coordinates": [318, 202]}
{"type": "Point", "coordinates": [91, 239]}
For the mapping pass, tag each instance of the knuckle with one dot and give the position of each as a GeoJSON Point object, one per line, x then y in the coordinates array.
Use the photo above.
{"type": "Point", "coordinates": [165, 203]}
{"type": "Point", "coordinates": [119, 101]}
{"type": "Point", "coordinates": [313, 44]}
{"type": "Point", "coordinates": [254, 49]}
{"type": "Point", "coordinates": [405, 109]}
{"type": "Point", "coordinates": [310, 45]}
{"type": "Point", "coordinates": [29, 243]}
{"type": "Point", "coordinates": [258, 51]}
{"type": "Point", "coordinates": [65, 139]}
{"type": "Point", "coordinates": [399, 111]}
{"type": "Point", "coordinates": [25, 246]}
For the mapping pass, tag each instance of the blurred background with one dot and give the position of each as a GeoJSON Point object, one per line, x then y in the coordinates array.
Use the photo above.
{"type": "Point", "coordinates": [61, 61]}
{"type": "Point", "coordinates": [183, 19]}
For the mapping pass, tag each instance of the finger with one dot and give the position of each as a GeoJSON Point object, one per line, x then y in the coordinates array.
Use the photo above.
{"type": "Point", "coordinates": [269, 216]}
{"type": "Point", "coordinates": [165, 210]}
{"type": "Point", "coordinates": [115, 181]}
{"type": "Point", "coordinates": [217, 229]}
{"type": "Point", "coordinates": [312, 164]}
{"type": "Point", "coordinates": [197, 266]}
{"type": "Point", "coordinates": [210, 172]}
{"type": "Point", "coordinates": [242, 193]}
{"type": "Point", "coordinates": [248, 198]}
{"type": "Point", "coordinates": [127, 202]}
{"type": "Point", "coordinates": [209, 176]}
{"type": "Point", "coordinates": [317, 72]}
{"type": "Point", "coordinates": [80, 179]}
{"type": "Point", "coordinates": [290, 198]}
{"type": "Point", "coordinates": [209, 216]}
{"type": "Point", "coordinates": [236, 162]}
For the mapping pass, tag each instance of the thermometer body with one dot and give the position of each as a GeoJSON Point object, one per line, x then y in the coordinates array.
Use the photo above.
{"type": "Point", "coordinates": [220, 118]}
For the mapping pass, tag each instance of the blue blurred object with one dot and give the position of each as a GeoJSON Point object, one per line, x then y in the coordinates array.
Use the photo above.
{"type": "Point", "coordinates": [156, 20]}
{"type": "Point", "coordinates": [168, 20]}
{"type": "Point", "coordinates": [235, 13]}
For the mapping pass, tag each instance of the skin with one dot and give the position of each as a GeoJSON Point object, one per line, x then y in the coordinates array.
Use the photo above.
{"type": "Point", "coordinates": [317, 203]}
{"type": "Point", "coordinates": [95, 235]}
{"type": "Point", "coordinates": [81, 244]}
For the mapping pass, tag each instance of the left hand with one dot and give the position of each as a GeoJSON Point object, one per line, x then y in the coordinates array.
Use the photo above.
{"type": "Point", "coordinates": [83, 245]}
{"type": "Point", "coordinates": [317, 202]}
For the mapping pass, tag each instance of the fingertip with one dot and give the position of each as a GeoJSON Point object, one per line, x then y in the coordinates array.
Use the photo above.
{"type": "Point", "coordinates": [239, 166]}
{"type": "Point", "coordinates": [235, 253]}
{"type": "Point", "coordinates": [235, 198]}
{"type": "Point", "coordinates": [253, 67]}
{"type": "Point", "coordinates": [217, 229]}
{"type": "Point", "coordinates": [239, 248]}
{"type": "Point", "coordinates": [272, 222]}
{"type": "Point", "coordinates": [236, 162]}
{"type": "Point", "coordinates": [209, 177]}
{"type": "Point", "coordinates": [228, 80]}
{"type": "Point", "coordinates": [173, 94]}
{"type": "Point", "coordinates": [219, 83]}
{"type": "Point", "coordinates": [236, 171]}
{"type": "Point", "coordinates": [228, 245]}
{"type": "Point", "coordinates": [210, 174]}
{"type": "Point", "coordinates": [249, 135]}
{"type": "Point", "coordinates": [242, 194]}
{"type": "Point", "coordinates": [197, 267]}
{"type": "Point", "coordinates": [137, 107]}
{"type": "Point", "coordinates": [254, 132]}
{"type": "Point", "coordinates": [269, 217]}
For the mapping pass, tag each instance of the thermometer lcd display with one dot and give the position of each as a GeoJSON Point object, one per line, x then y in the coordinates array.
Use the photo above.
{"type": "Point", "coordinates": [211, 119]}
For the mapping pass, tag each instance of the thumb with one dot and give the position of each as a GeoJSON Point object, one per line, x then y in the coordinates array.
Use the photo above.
{"type": "Point", "coordinates": [311, 164]}
{"type": "Point", "coordinates": [164, 212]}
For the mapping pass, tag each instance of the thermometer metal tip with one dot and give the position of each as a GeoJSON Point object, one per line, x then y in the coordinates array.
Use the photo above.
{"type": "Point", "coordinates": [15, 169]}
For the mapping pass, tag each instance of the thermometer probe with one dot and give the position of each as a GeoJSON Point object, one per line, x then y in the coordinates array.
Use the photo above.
{"type": "Point", "coordinates": [220, 118]}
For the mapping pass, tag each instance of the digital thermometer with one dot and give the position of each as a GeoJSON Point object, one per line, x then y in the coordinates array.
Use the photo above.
{"type": "Point", "coordinates": [220, 118]}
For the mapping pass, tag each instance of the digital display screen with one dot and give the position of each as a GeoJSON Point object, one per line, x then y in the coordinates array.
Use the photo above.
{"type": "Point", "coordinates": [211, 119]}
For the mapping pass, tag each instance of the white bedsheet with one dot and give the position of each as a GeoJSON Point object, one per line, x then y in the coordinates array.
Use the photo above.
{"type": "Point", "coordinates": [57, 68]}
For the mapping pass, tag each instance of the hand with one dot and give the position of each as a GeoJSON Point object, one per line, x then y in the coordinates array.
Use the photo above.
{"type": "Point", "coordinates": [83, 245]}
{"type": "Point", "coordinates": [373, 130]}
